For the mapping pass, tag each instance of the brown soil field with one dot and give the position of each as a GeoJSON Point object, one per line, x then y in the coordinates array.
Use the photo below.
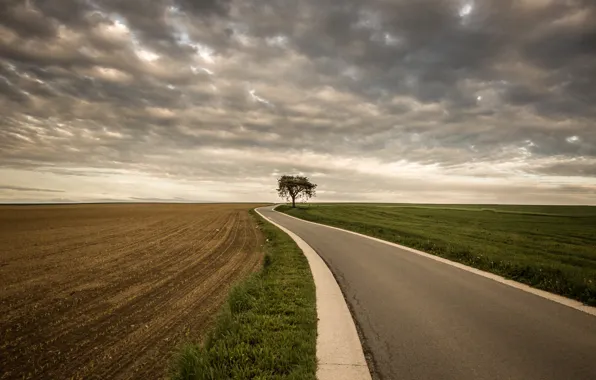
{"type": "Point", "coordinates": [110, 291]}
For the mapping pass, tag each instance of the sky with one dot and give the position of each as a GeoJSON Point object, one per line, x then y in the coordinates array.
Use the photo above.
{"type": "Point", "coordinates": [434, 101]}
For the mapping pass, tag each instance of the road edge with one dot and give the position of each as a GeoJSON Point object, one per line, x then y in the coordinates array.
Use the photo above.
{"type": "Point", "coordinates": [514, 284]}
{"type": "Point", "coordinates": [339, 350]}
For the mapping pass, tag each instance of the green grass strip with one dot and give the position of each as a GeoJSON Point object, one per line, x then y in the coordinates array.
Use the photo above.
{"type": "Point", "coordinates": [268, 328]}
{"type": "Point", "coordinates": [548, 247]}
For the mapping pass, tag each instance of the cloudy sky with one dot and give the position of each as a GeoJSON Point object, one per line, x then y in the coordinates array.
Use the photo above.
{"type": "Point", "coordinates": [483, 101]}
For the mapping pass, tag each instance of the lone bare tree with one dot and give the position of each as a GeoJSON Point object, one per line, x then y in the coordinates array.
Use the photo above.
{"type": "Point", "coordinates": [295, 187]}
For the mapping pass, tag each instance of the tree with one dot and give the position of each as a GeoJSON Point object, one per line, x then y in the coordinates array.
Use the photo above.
{"type": "Point", "coordinates": [295, 187]}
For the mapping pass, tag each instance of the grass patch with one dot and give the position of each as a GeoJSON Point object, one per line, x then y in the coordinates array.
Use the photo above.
{"type": "Point", "coordinates": [549, 247]}
{"type": "Point", "coordinates": [268, 328]}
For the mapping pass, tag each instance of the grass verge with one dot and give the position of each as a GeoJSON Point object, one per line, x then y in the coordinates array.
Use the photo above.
{"type": "Point", "coordinates": [552, 248]}
{"type": "Point", "coordinates": [268, 328]}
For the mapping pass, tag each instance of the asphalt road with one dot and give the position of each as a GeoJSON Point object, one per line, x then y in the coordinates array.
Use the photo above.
{"type": "Point", "coordinates": [423, 319]}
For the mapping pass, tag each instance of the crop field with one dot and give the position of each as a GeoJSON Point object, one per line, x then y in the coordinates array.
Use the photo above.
{"type": "Point", "coordinates": [549, 247]}
{"type": "Point", "coordinates": [111, 291]}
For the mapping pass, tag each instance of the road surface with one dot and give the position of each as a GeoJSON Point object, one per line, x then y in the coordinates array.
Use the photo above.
{"type": "Point", "coordinates": [423, 319]}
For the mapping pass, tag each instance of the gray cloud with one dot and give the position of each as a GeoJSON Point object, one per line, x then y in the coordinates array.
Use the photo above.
{"type": "Point", "coordinates": [224, 91]}
{"type": "Point", "coordinates": [28, 189]}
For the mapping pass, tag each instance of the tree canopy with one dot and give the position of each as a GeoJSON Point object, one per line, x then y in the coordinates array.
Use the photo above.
{"type": "Point", "coordinates": [292, 187]}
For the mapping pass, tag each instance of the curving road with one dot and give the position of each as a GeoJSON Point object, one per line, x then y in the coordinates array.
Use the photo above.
{"type": "Point", "coordinates": [423, 319]}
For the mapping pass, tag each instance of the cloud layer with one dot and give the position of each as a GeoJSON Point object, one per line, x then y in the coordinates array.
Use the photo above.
{"type": "Point", "coordinates": [428, 100]}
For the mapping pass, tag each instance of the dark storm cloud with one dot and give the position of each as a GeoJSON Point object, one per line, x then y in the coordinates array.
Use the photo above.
{"type": "Point", "coordinates": [572, 168]}
{"type": "Point", "coordinates": [145, 85]}
{"type": "Point", "coordinates": [205, 6]}
{"type": "Point", "coordinates": [571, 37]}
{"type": "Point", "coordinates": [27, 21]}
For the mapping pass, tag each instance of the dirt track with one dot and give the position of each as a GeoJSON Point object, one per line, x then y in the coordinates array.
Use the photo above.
{"type": "Point", "coordinates": [110, 291]}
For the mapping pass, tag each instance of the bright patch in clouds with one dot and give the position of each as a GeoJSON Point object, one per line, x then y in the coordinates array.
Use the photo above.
{"type": "Point", "coordinates": [257, 98]}
{"type": "Point", "coordinates": [146, 55]}
{"type": "Point", "coordinates": [110, 74]}
{"type": "Point", "coordinates": [466, 9]}
{"type": "Point", "coordinates": [205, 53]}
{"type": "Point", "coordinates": [280, 41]}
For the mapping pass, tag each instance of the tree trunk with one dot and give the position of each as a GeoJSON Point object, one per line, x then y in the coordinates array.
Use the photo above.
{"type": "Point", "coordinates": [293, 202]}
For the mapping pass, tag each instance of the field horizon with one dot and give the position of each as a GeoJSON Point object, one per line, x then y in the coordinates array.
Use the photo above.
{"type": "Point", "coordinates": [41, 203]}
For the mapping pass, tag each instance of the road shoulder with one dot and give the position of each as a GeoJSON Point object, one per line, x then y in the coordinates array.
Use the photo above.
{"type": "Point", "coordinates": [339, 351]}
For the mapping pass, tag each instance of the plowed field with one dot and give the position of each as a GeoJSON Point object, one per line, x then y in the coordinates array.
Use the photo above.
{"type": "Point", "coordinates": [110, 291]}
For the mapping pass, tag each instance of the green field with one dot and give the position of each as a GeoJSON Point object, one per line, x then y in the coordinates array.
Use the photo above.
{"type": "Point", "coordinates": [268, 329]}
{"type": "Point", "coordinates": [548, 247]}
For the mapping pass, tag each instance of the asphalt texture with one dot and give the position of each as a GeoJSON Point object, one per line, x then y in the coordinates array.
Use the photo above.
{"type": "Point", "coordinates": [423, 319]}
